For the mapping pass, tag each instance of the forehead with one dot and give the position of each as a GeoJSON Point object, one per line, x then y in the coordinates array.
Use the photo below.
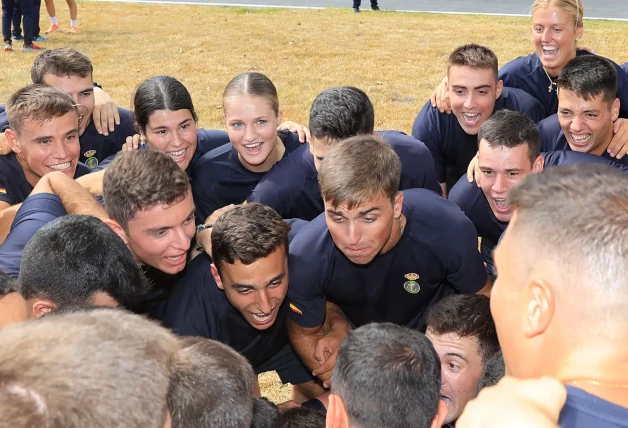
{"type": "Point", "coordinates": [551, 15]}
{"type": "Point", "coordinates": [380, 202]}
{"type": "Point", "coordinates": [248, 104]}
{"type": "Point", "coordinates": [163, 215]}
{"type": "Point", "coordinates": [502, 157]}
{"type": "Point", "coordinates": [70, 84]}
{"type": "Point", "coordinates": [56, 125]}
{"type": "Point", "coordinates": [260, 271]}
{"type": "Point", "coordinates": [569, 99]}
{"type": "Point", "coordinates": [169, 118]}
{"type": "Point", "coordinates": [453, 343]}
{"type": "Point", "coordinates": [462, 75]}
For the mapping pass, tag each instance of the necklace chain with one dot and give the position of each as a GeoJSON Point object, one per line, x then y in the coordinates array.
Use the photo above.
{"type": "Point", "coordinates": [552, 83]}
{"type": "Point", "coordinates": [401, 226]}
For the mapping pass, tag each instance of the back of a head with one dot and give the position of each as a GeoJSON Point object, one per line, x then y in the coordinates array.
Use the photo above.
{"type": "Point", "coordinates": [359, 169]}
{"type": "Point", "coordinates": [248, 233]}
{"type": "Point", "coordinates": [301, 417]}
{"type": "Point", "coordinates": [474, 56]}
{"type": "Point", "coordinates": [265, 413]}
{"type": "Point", "coordinates": [160, 93]}
{"type": "Point", "coordinates": [211, 386]}
{"type": "Point", "coordinates": [61, 62]}
{"type": "Point", "coordinates": [588, 76]}
{"type": "Point", "coordinates": [387, 376]}
{"type": "Point", "coordinates": [510, 129]}
{"type": "Point", "coordinates": [340, 113]}
{"type": "Point", "coordinates": [573, 220]}
{"type": "Point", "coordinates": [465, 315]}
{"type": "Point", "coordinates": [102, 368]}
{"type": "Point", "coordinates": [73, 257]}
{"type": "Point", "coordinates": [7, 285]}
{"type": "Point", "coordinates": [38, 103]}
{"type": "Point", "coordinates": [139, 180]}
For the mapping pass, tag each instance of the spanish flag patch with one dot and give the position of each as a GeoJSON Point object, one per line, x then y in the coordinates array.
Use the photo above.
{"type": "Point", "coordinates": [3, 190]}
{"type": "Point", "coordinates": [295, 309]}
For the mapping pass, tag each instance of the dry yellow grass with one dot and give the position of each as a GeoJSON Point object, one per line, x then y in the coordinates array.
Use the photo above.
{"type": "Point", "coordinates": [397, 58]}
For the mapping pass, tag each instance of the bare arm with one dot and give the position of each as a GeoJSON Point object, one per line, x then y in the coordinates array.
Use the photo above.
{"type": "Point", "coordinates": [486, 290]}
{"type": "Point", "coordinates": [7, 215]}
{"type": "Point", "coordinates": [74, 197]}
{"type": "Point", "coordinates": [318, 346]}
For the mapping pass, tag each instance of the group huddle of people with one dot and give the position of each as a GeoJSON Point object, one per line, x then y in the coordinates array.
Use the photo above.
{"type": "Point", "coordinates": [152, 269]}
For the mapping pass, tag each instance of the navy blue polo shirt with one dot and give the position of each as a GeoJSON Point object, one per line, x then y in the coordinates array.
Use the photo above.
{"type": "Point", "coordinates": [291, 187]}
{"type": "Point", "coordinates": [584, 410]}
{"type": "Point", "coordinates": [527, 73]}
{"type": "Point", "coordinates": [451, 147]}
{"type": "Point", "coordinates": [436, 256]}
{"type": "Point", "coordinates": [95, 147]}
{"type": "Point", "coordinates": [197, 307]}
{"type": "Point", "coordinates": [220, 179]}
{"type": "Point", "coordinates": [14, 187]}
{"type": "Point", "coordinates": [625, 67]}
{"type": "Point", "coordinates": [553, 139]}
{"type": "Point", "coordinates": [35, 212]}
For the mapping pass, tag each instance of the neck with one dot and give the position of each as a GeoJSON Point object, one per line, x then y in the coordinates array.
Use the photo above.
{"type": "Point", "coordinates": [397, 228]}
{"type": "Point", "coordinates": [555, 71]}
{"type": "Point", "coordinates": [31, 177]}
{"type": "Point", "coordinates": [273, 157]}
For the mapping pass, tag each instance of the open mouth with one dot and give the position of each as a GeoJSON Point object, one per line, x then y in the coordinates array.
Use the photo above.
{"type": "Point", "coordinates": [253, 148]}
{"type": "Point", "coordinates": [580, 140]}
{"type": "Point", "coordinates": [471, 118]}
{"type": "Point", "coordinates": [446, 399]}
{"type": "Point", "coordinates": [60, 166]}
{"type": "Point", "coordinates": [501, 205]}
{"type": "Point", "coordinates": [262, 318]}
{"type": "Point", "coordinates": [176, 260]}
{"type": "Point", "coordinates": [177, 156]}
{"type": "Point", "coordinates": [550, 51]}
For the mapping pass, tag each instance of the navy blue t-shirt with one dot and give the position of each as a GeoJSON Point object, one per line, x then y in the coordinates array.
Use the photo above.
{"type": "Point", "coordinates": [35, 212]}
{"type": "Point", "coordinates": [436, 256]}
{"type": "Point", "coordinates": [625, 67]}
{"type": "Point", "coordinates": [553, 139]}
{"type": "Point", "coordinates": [584, 410]}
{"type": "Point", "coordinates": [291, 187]}
{"type": "Point", "coordinates": [197, 307]}
{"type": "Point", "coordinates": [527, 73]}
{"type": "Point", "coordinates": [451, 147]}
{"type": "Point", "coordinates": [220, 179]}
{"type": "Point", "coordinates": [14, 187]}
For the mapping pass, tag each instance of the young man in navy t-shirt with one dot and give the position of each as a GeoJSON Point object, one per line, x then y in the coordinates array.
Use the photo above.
{"type": "Point", "coordinates": [587, 109]}
{"type": "Point", "coordinates": [375, 254]}
{"type": "Point", "coordinates": [475, 93]}
{"type": "Point", "coordinates": [238, 295]}
{"type": "Point", "coordinates": [559, 302]}
{"type": "Point", "coordinates": [44, 137]}
{"type": "Point", "coordinates": [509, 150]}
{"type": "Point", "coordinates": [291, 187]}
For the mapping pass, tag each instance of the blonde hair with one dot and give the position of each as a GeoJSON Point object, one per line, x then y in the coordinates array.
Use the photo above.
{"type": "Point", "coordinates": [572, 7]}
{"type": "Point", "coordinates": [254, 84]}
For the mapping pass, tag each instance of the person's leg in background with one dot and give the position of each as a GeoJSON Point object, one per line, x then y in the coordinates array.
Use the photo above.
{"type": "Point", "coordinates": [38, 37]}
{"type": "Point", "coordinates": [8, 6]}
{"type": "Point", "coordinates": [73, 17]}
{"type": "Point", "coordinates": [356, 5]}
{"type": "Point", "coordinates": [374, 5]}
{"type": "Point", "coordinates": [30, 23]}
{"type": "Point", "coordinates": [17, 22]}
{"type": "Point", "coordinates": [52, 13]}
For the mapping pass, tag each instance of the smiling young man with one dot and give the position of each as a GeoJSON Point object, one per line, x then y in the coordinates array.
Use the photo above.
{"type": "Point", "coordinates": [291, 187]}
{"type": "Point", "coordinates": [475, 94]}
{"type": "Point", "coordinates": [509, 150]}
{"type": "Point", "coordinates": [238, 296]}
{"type": "Point", "coordinates": [44, 137]}
{"type": "Point", "coordinates": [376, 254]}
{"type": "Point", "coordinates": [463, 333]}
{"type": "Point", "coordinates": [587, 108]}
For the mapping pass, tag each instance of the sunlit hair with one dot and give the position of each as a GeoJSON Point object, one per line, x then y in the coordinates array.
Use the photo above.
{"type": "Point", "coordinates": [474, 56]}
{"type": "Point", "coordinates": [253, 84]}
{"type": "Point", "coordinates": [572, 7]}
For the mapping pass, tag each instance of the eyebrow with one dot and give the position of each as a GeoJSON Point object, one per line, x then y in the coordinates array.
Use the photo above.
{"type": "Point", "coordinates": [240, 286]}
{"type": "Point", "coordinates": [48, 137]}
{"type": "Point", "coordinates": [475, 87]}
{"type": "Point", "coordinates": [455, 354]}
{"type": "Point", "coordinates": [87, 90]}
{"type": "Point", "coordinates": [158, 229]}
{"type": "Point", "coordinates": [360, 213]}
{"type": "Point", "coordinates": [165, 127]}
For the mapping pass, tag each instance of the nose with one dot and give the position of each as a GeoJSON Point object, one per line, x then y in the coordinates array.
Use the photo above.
{"type": "Point", "coordinates": [354, 234]}
{"type": "Point", "coordinates": [176, 140]}
{"type": "Point", "coordinates": [545, 36]}
{"type": "Point", "coordinates": [469, 102]}
{"type": "Point", "coordinates": [576, 124]}
{"type": "Point", "coordinates": [182, 239]}
{"type": "Point", "coordinates": [249, 134]}
{"type": "Point", "coordinates": [263, 301]}
{"type": "Point", "coordinates": [499, 186]}
{"type": "Point", "coordinates": [59, 151]}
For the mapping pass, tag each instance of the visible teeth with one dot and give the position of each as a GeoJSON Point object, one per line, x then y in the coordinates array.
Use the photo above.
{"type": "Point", "coordinates": [581, 138]}
{"type": "Point", "coordinates": [550, 48]}
{"type": "Point", "coordinates": [176, 155]}
{"type": "Point", "coordinates": [446, 400]}
{"type": "Point", "coordinates": [175, 258]}
{"type": "Point", "coordinates": [471, 117]}
{"type": "Point", "coordinates": [252, 146]}
{"type": "Point", "coordinates": [60, 166]}
{"type": "Point", "coordinates": [261, 317]}
{"type": "Point", "coordinates": [501, 202]}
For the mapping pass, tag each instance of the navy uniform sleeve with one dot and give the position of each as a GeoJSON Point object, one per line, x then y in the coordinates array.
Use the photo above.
{"type": "Point", "coordinates": [4, 190]}
{"type": "Point", "coordinates": [625, 67]}
{"type": "Point", "coordinates": [125, 129]}
{"type": "Point", "coordinates": [308, 265]}
{"type": "Point", "coordinates": [550, 131]}
{"type": "Point", "coordinates": [209, 139]}
{"type": "Point", "coordinates": [36, 211]}
{"type": "Point", "coordinates": [204, 180]}
{"type": "Point", "coordinates": [464, 194]}
{"type": "Point", "coordinates": [426, 130]}
{"type": "Point", "coordinates": [189, 310]}
{"type": "Point", "coordinates": [622, 91]}
{"type": "Point", "coordinates": [417, 164]}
